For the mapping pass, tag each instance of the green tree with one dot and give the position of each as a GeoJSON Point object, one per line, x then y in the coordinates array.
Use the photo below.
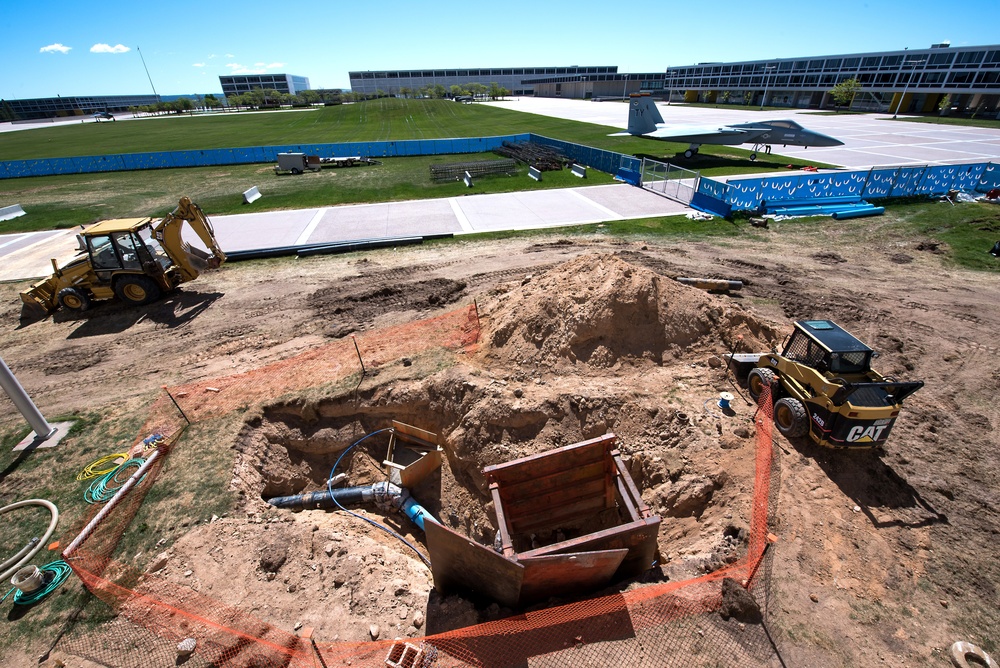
{"type": "Point", "coordinates": [183, 104]}
{"type": "Point", "coordinates": [748, 98]}
{"type": "Point", "coordinates": [844, 92]}
{"type": "Point", "coordinates": [211, 102]}
{"type": "Point", "coordinates": [495, 90]}
{"type": "Point", "coordinates": [406, 91]}
{"type": "Point", "coordinates": [439, 91]}
{"type": "Point", "coordinates": [724, 98]}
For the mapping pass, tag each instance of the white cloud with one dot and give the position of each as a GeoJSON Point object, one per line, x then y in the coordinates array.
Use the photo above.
{"type": "Point", "coordinates": [229, 55]}
{"type": "Point", "coordinates": [52, 48]}
{"type": "Point", "coordinates": [107, 48]}
{"type": "Point", "coordinates": [198, 65]}
{"type": "Point", "coordinates": [256, 68]}
{"type": "Point", "coordinates": [236, 68]}
{"type": "Point", "coordinates": [212, 55]}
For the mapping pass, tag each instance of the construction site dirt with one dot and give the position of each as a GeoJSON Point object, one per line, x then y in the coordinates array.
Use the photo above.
{"type": "Point", "coordinates": [881, 558]}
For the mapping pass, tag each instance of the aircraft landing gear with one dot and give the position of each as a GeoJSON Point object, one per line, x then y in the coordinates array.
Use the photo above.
{"type": "Point", "coordinates": [691, 152]}
{"type": "Point", "coordinates": [759, 147]}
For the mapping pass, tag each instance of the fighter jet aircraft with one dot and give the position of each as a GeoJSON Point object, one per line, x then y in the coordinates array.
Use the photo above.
{"type": "Point", "coordinates": [644, 120]}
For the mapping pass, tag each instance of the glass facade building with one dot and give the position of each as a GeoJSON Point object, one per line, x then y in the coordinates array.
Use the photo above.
{"type": "Point", "coordinates": [914, 79]}
{"type": "Point", "coordinates": [237, 84]}
{"type": "Point", "coordinates": [513, 79]}
{"type": "Point", "coordinates": [51, 107]}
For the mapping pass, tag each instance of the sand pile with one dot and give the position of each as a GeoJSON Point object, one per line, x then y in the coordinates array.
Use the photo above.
{"type": "Point", "coordinates": [597, 310]}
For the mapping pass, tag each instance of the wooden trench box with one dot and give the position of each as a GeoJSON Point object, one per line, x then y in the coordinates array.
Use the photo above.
{"type": "Point", "coordinates": [570, 520]}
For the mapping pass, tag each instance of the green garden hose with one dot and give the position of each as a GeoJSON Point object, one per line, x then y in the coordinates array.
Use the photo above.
{"type": "Point", "coordinates": [104, 488]}
{"type": "Point", "coordinates": [54, 575]}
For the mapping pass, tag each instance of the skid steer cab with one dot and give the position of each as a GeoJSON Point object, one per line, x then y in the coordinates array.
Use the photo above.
{"type": "Point", "coordinates": [134, 259]}
{"type": "Point", "coordinates": [822, 384]}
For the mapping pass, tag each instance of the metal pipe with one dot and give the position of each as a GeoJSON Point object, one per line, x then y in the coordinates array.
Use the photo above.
{"type": "Point", "coordinates": [110, 505]}
{"type": "Point", "coordinates": [710, 283]}
{"type": "Point", "coordinates": [382, 494]}
{"type": "Point", "coordinates": [24, 403]}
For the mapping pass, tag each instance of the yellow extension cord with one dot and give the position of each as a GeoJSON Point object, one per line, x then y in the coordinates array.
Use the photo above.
{"type": "Point", "coordinates": [110, 462]}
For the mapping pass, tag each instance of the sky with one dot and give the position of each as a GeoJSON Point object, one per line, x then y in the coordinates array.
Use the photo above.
{"type": "Point", "coordinates": [54, 47]}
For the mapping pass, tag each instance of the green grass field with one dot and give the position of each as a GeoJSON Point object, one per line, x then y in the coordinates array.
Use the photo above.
{"type": "Point", "coordinates": [375, 120]}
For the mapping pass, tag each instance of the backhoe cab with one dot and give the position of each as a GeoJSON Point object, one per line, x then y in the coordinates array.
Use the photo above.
{"type": "Point", "coordinates": [135, 259]}
{"type": "Point", "coordinates": [822, 384]}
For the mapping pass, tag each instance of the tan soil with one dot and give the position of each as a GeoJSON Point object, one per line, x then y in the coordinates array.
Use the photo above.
{"type": "Point", "coordinates": [881, 560]}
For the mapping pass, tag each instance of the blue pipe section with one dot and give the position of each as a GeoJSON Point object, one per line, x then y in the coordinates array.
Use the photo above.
{"type": "Point", "coordinates": [858, 213]}
{"type": "Point", "coordinates": [417, 513]}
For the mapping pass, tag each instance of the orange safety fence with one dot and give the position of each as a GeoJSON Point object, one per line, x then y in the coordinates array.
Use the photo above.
{"type": "Point", "coordinates": [669, 623]}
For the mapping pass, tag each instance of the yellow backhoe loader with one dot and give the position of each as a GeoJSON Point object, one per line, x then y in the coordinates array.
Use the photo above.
{"type": "Point", "coordinates": [135, 259]}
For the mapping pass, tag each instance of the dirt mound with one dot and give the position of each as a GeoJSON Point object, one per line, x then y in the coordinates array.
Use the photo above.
{"type": "Point", "coordinates": [597, 310]}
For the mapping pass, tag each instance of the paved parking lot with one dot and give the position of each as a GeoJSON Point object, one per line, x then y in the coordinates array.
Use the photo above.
{"type": "Point", "coordinates": [870, 140]}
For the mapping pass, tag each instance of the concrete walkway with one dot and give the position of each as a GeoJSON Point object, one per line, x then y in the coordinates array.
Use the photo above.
{"type": "Point", "coordinates": [24, 256]}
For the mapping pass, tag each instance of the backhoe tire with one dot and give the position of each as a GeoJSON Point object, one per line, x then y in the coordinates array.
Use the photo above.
{"type": "Point", "coordinates": [137, 290]}
{"type": "Point", "coordinates": [758, 379]}
{"type": "Point", "coordinates": [73, 299]}
{"type": "Point", "coordinates": [790, 417]}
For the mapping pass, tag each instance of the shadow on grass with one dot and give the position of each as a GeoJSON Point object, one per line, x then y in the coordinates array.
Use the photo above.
{"type": "Point", "coordinates": [706, 161]}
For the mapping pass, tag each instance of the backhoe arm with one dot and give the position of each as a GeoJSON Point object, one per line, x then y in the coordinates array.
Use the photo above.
{"type": "Point", "coordinates": [189, 260]}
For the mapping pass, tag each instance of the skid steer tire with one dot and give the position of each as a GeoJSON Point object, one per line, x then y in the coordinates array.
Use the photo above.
{"type": "Point", "coordinates": [758, 380]}
{"type": "Point", "coordinates": [790, 417]}
{"type": "Point", "coordinates": [73, 299]}
{"type": "Point", "coordinates": [137, 290]}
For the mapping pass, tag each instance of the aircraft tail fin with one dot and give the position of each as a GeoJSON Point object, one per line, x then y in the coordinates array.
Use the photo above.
{"type": "Point", "coordinates": [642, 114]}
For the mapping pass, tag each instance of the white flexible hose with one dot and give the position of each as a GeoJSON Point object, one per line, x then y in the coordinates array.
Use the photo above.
{"type": "Point", "coordinates": [48, 533]}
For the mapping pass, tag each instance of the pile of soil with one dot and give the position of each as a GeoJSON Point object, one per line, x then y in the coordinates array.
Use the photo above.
{"type": "Point", "coordinates": [598, 310]}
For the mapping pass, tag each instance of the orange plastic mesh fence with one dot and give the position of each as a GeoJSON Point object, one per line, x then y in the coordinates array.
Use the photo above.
{"type": "Point", "coordinates": [671, 623]}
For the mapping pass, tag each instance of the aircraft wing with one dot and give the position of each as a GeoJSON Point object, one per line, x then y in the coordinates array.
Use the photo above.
{"type": "Point", "coordinates": [723, 135]}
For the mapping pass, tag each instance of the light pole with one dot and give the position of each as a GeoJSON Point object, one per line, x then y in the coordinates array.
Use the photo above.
{"type": "Point", "coordinates": [907, 85]}
{"type": "Point", "coordinates": [670, 85]}
{"type": "Point", "coordinates": [767, 69]}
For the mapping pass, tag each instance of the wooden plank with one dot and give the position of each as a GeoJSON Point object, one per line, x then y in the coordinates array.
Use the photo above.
{"type": "Point", "coordinates": [416, 435]}
{"type": "Point", "coordinates": [558, 574]}
{"type": "Point", "coordinates": [553, 518]}
{"type": "Point", "coordinates": [633, 490]}
{"type": "Point", "coordinates": [562, 495]}
{"type": "Point", "coordinates": [551, 461]}
{"type": "Point", "coordinates": [633, 513]}
{"type": "Point", "coordinates": [625, 535]}
{"type": "Point", "coordinates": [413, 474]}
{"type": "Point", "coordinates": [459, 563]}
{"type": "Point", "coordinates": [555, 481]}
{"type": "Point", "coordinates": [502, 522]}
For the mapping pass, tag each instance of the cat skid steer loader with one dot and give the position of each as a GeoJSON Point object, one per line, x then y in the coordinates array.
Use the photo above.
{"type": "Point", "coordinates": [823, 385]}
{"type": "Point", "coordinates": [135, 259]}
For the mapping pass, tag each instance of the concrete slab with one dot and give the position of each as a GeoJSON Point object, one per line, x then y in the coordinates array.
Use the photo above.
{"type": "Point", "coordinates": [29, 255]}
{"type": "Point", "coordinates": [631, 202]}
{"type": "Point", "coordinates": [267, 229]}
{"type": "Point", "coordinates": [24, 256]}
{"type": "Point", "coordinates": [33, 441]}
{"type": "Point", "coordinates": [528, 210]}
